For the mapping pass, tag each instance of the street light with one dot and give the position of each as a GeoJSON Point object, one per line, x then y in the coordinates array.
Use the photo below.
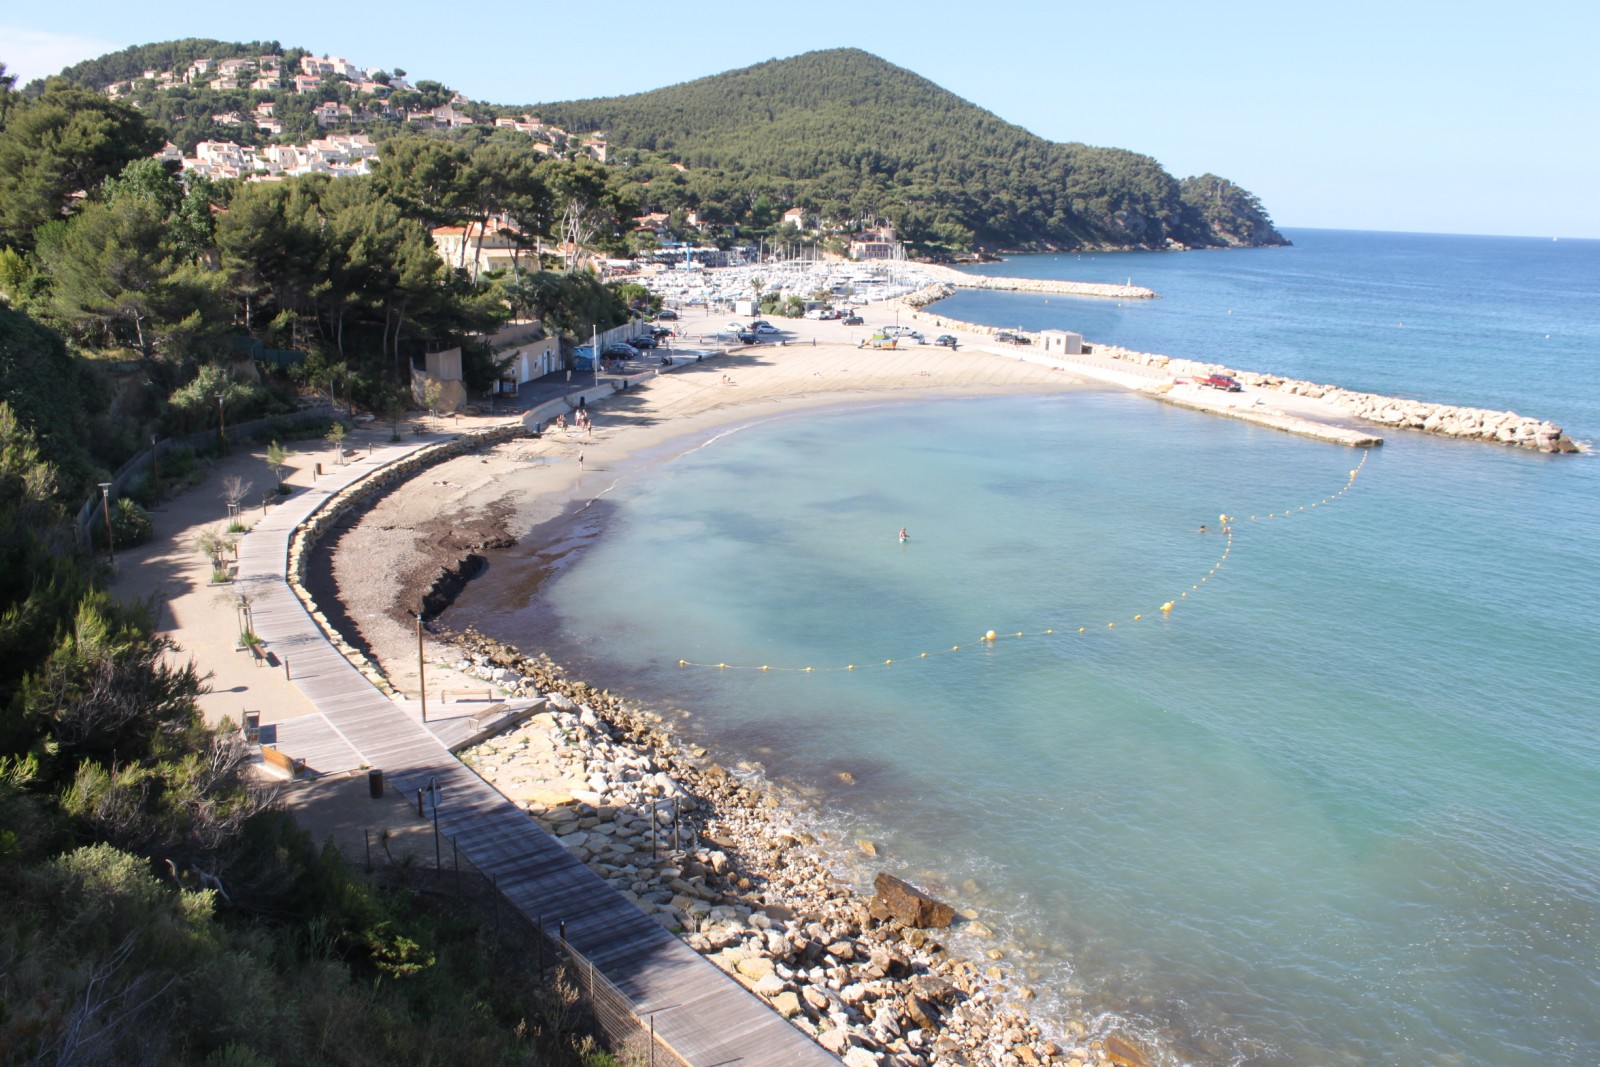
{"type": "Point", "coordinates": [155, 466]}
{"type": "Point", "coordinates": [594, 352]}
{"type": "Point", "coordinates": [222, 429]}
{"type": "Point", "coordinates": [422, 678]}
{"type": "Point", "coordinates": [105, 502]}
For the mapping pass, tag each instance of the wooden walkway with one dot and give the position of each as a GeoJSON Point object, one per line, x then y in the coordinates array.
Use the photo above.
{"type": "Point", "coordinates": [699, 1013]}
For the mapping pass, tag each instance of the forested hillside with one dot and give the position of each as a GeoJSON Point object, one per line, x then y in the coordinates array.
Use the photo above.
{"type": "Point", "coordinates": [851, 137]}
{"type": "Point", "coordinates": [159, 908]}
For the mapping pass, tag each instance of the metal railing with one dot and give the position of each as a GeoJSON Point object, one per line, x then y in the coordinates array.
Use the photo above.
{"type": "Point", "coordinates": [627, 1030]}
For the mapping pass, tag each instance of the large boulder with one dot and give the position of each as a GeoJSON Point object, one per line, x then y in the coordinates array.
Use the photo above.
{"type": "Point", "coordinates": [904, 902]}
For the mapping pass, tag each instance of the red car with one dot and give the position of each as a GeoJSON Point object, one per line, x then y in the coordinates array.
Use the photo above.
{"type": "Point", "coordinates": [1221, 381]}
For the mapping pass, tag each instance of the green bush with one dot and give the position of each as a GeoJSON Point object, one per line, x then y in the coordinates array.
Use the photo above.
{"type": "Point", "coordinates": [131, 523]}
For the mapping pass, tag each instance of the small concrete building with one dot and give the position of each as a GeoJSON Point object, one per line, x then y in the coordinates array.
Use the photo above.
{"type": "Point", "coordinates": [443, 369]}
{"type": "Point", "coordinates": [534, 356]}
{"type": "Point", "coordinates": [1060, 343]}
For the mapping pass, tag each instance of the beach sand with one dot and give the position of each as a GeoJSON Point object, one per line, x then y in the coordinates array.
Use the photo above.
{"type": "Point", "coordinates": [385, 560]}
{"type": "Point", "coordinates": [406, 545]}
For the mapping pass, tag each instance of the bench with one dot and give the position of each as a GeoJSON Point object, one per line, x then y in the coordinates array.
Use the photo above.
{"type": "Point", "coordinates": [258, 652]}
{"type": "Point", "coordinates": [288, 764]}
{"type": "Point", "coordinates": [479, 719]}
{"type": "Point", "coordinates": [465, 694]}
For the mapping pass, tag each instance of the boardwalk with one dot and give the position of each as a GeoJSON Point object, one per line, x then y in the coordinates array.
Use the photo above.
{"type": "Point", "coordinates": [701, 1014]}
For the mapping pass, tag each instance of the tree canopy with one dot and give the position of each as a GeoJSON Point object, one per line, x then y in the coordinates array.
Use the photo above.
{"type": "Point", "coordinates": [850, 137]}
{"type": "Point", "coordinates": [61, 145]}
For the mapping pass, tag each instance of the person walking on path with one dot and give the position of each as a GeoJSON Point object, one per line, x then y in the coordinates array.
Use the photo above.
{"type": "Point", "coordinates": [580, 462]}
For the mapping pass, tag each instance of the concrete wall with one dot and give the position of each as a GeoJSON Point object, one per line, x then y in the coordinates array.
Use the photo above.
{"type": "Point", "coordinates": [305, 537]}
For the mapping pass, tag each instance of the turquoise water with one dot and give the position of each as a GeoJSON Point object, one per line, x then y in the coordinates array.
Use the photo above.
{"type": "Point", "coordinates": [1342, 805]}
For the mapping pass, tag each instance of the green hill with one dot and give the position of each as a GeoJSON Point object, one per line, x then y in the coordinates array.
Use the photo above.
{"type": "Point", "coordinates": [851, 137]}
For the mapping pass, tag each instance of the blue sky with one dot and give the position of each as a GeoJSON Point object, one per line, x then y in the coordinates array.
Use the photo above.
{"type": "Point", "coordinates": [1426, 116]}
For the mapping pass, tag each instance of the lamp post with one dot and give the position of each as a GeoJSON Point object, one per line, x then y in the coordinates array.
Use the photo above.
{"type": "Point", "coordinates": [594, 352]}
{"type": "Point", "coordinates": [155, 466]}
{"type": "Point", "coordinates": [222, 429]}
{"type": "Point", "coordinates": [422, 678]}
{"type": "Point", "coordinates": [105, 503]}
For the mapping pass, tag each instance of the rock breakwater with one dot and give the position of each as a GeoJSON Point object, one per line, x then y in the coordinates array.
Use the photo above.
{"type": "Point", "coordinates": [714, 856]}
{"type": "Point", "coordinates": [957, 279]}
{"type": "Point", "coordinates": [1446, 420]}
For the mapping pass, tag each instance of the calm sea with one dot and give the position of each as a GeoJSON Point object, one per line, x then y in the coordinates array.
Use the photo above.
{"type": "Point", "coordinates": [1341, 805]}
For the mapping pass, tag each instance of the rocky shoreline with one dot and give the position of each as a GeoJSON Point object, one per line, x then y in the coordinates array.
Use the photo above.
{"type": "Point", "coordinates": [717, 858]}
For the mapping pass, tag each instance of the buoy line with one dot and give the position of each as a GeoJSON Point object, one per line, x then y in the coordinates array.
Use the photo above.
{"type": "Point", "coordinates": [990, 637]}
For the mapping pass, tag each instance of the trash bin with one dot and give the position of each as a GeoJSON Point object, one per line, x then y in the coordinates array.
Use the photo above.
{"type": "Point", "coordinates": [375, 783]}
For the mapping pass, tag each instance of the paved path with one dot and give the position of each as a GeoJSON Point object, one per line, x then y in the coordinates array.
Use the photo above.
{"type": "Point", "coordinates": [701, 1014]}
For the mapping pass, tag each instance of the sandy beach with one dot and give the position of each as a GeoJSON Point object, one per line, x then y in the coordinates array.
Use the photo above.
{"type": "Point", "coordinates": [413, 544]}
{"type": "Point", "coordinates": [391, 556]}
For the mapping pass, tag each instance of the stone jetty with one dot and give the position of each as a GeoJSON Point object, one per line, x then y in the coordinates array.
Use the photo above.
{"type": "Point", "coordinates": [715, 857]}
{"type": "Point", "coordinates": [1446, 420]}
{"type": "Point", "coordinates": [952, 279]}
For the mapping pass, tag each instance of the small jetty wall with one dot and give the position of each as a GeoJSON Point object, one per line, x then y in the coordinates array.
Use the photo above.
{"type": "Point", "coordinates": [956, 279]}
{"type": "Point", "coordinates": [1445, 420]}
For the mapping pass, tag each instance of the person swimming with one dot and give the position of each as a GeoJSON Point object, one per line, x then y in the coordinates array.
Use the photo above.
{"type": "Point", "coordinates": [903, 535]}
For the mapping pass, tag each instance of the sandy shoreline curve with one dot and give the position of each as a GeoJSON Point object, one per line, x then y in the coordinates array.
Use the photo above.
{"type": "Point", "coordinates": [387, 558]}
{"type": "Point", "coordinates": [397, 547]}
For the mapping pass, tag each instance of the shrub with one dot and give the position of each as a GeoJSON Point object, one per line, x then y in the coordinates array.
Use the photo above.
{"type": "Point", "coordinates": [131, 523]}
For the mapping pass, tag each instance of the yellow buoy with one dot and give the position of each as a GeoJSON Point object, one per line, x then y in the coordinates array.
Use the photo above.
{"type": "Point", "coordinates": [765, 667]}
{"type": "Point", "coordinates": [989, 636]}
{"type": "Point", "coordinates": [683, 663]}
{"type": "Point", "coordinates": [1167, 606]}
{"type": "Point", "coordinates": [1136, 618]}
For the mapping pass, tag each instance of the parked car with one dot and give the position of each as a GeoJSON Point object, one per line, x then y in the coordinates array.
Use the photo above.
{"type": "Point", "coordinates": [946, 340]}
{"type": "Point", "coordinates": [667, 315]}
{"type": "Point", "coordinates": [736, 327]}
{"type": "Point", "coordinates": [852, 320]}
{"type": "Point", "coordinates": [765, 328]}
{"type": "Point", "coordinates": [620, 350]}
{"type": "Point", "coordinates": [1221, 381]}
{"type": "Point", "coordinates": [645, 340]}
{"type": "Point", "coordinates": [1007, 337]}
{"type": "Point", "coordinates": [756, 325]}
{"type": "Point", "coordinates": [746, 337]}
{"type": "Point", "coordinates": [915, 337]}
